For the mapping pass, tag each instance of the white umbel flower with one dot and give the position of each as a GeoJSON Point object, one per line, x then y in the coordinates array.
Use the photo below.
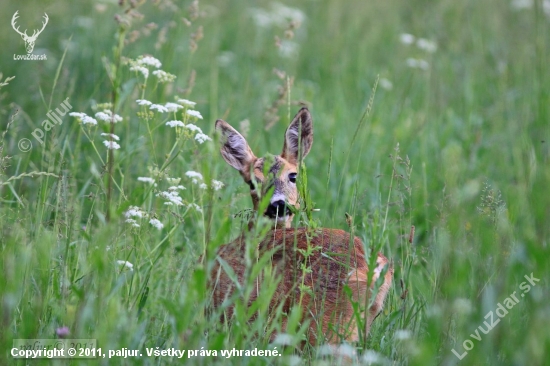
{"type": "Point", "coordinates": [156, 223]}
{"type": "Point", "coordinates": [111, 135]}
{"type": "Point", "coordinates": [143, 102]}
{"type": "Point", "coordinates": [172, 107]}
{"type": "Point", "coordinates": [201, 137]}
{"type": "Point", "coordinates": [111, 145]}
{"type": "Point", "coordinates": [193, 113]}
{"type": "Point", "coordinates": [175, 124]}
{"type": "Point", "coordinates": [192, 127]}
{"type": "Point", "coordinates": [126, 264]}
{"type": "Point", "coordinates": [407, 38]}
{"type": "Point", "coordinates": [143, 70]}
{"type": "Point", "coordinates": [146, 180]}
{"type": "Point", "coordinates": [187, 103]}
{"type": "Point", "coordinates": [134, 211]}
{"type": "Point", "coordinates": [217, 185]}
{"type": "Point", "coordinates": [160, 108]}
{"type": "Point", "coordinates": [132, 222]}
{"type": "Point", "coordinates": [193, 174]}
{"type": "Point", "coordinates": [149, 61]}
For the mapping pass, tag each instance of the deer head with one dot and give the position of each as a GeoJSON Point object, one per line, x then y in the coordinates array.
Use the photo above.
{"type": "Point", "coordinates": [273, 172]}
{"type": "Point", "coordinates": [29, 41]}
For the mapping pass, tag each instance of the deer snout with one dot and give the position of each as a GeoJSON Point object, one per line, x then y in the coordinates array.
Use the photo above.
{"type": "Point", "coordinates": [277, 208]}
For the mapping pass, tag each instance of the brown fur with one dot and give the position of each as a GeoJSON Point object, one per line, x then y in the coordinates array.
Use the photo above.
{"type": "Point", "coordinates": [337, 262]}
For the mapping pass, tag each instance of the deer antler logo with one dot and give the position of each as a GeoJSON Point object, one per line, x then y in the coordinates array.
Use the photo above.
{"type": "Point", "coordinates": [29, 41]}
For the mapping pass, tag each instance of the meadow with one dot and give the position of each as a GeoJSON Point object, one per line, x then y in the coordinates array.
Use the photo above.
{"type": "Point", "coordinates": [431, 144]}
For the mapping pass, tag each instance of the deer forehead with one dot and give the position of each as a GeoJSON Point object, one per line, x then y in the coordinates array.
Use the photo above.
{"type": "Point", "coordinates": [278, 169]}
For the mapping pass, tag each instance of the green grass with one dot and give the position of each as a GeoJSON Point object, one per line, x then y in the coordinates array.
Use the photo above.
{"type": "Point", "coordinates": [460, 151]}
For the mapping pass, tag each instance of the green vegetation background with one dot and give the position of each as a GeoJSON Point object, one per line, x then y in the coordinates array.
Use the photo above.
{"type": "Point", "coordinates": [471, 173]}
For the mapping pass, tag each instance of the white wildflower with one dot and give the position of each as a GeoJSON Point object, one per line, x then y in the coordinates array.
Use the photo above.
{"type": "Point", "coordinates": [111, 145]}
{"type": "Point", "coordinates": [134, 211]}
{"type": "Point", "coordinates": [192, 127]}
{"type": "Point", "coordinates": [196, 207]}
{"type": "Point", "coordinates": [372, 358]}
{"type": "Point", "coordinates": [203, 186]}
{"type": "Point", "coordinates": [175, 188]}
{"type": "Point", "coordinates": [386, 84]}
{"type": "Point", "coordinates": [417, 63]}
{"type": "Point", "coordinates": [402, 334]}
{"type": "Point", "coordinates": [111, 135]}
{"type": "Point", "coordinates": [149, 61]}
{"type": "Point", "coordinates": [217, 185]}
{"type": "Point", "coordinates": [156, 223]}
{"type": "Point", "coordinates": [158, 107]}
{"type": "Point", "coordinates": [426, 45]}
{"type": "Point", "coordinates": [201, 137]}
{"type": "Point", "coordinates": [132, 222]}
{"type": "Point", "coordinates": [172, 197]}
{"type": "Point", "coordinates": [289, 49]}
{"type": "Point", "coordinates": [126, 264]}
{"type": "Point", "coordinates": [143, 102]}
{"type": "Point", "coordinates": [78, 115]}
{"type": "Point", "coordinates": [87, 120]}
{"type": "Point", "coordinates": [406, 38]}
{"type": "Point", "coordinates": [146, 180]}
{"type": "Point", "coordinates": [175, 124]}
{"type": "Point", "coordinates": [186, 103]}
{"type": "Point", "coordinates": [193, 113]}
{"type": "Point", "coordinates": [172, 107]}
{"type": "Point", "coordinates": [107, 116]}
{"type": "Point", "coordinates": [193, 174]}
{"type": "Point", "coordinates": [173, 180]}
{"type": "Point", "coordinates": [163, 76]}
{"type": "Point", "coordinates": [144, 71]}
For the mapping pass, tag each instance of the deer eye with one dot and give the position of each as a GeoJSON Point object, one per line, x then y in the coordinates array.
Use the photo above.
{"type": "Point", "coordinates": [292, 177]}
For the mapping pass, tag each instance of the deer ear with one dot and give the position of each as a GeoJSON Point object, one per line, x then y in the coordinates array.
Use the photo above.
{"type": "Point", "coordinates": [234, 149]}
{"type": "Point", "coordinates": [298, 136]}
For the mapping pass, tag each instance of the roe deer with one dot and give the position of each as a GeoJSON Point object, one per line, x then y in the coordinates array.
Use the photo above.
{"type": "Point", "coordinates": [339, 261]}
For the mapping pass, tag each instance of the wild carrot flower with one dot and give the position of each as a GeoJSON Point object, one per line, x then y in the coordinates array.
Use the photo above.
{"type": "Point", "coordinates": [175, 124]}
{"type": "Point", "coordinates": [159, 108]}
{"type": "Point", "coordinates": [143, 70]}
{"type": "Point", "coordinates": [149, 61]}
{"type": "Point", "coordinates": [426, 45]}
{"type": "Point", "coordinates": [132, 222]}
{"type": "Point", "coordinates": [217, 185]}
{"type": "Point", "coordinates": [111, 135]}
{"type": "Point", "coordinates": [156, 223]}
{"type": "Point", "coordinates": [193, 113]}
{"type": "Point", "coordinates": [172, 107]}
{"type": "Point", "coordinates": [143, 102]}
{"type": "Point", "coordinates": [386, 84]}
{"type": "Point", "coordinates": [192, 127]}
{"type": "Point", "coordinates": [172, 197]}
{"type": "Point", "coordinates": [84, 118]}
{"type": "Point", "coordinates": [111, 145]}
{"type": "Point", "coordinates": [194, 175]}
{"type": "Point", "coordinates": [196, 207]}
{"type": "Point", "coordinates": [107, 116]}
{"type": "Point", "coordinates": [163, 76]}
{"type": "Point", "coordinates": [406, 38]}
{"type": "Point", "coordinates": [173, 180]}
{"type": "Point", "coordinates": [175, 188]}
{"type": "Point", "coordinates": [134, 211]}
{"type": "Point", "coordinates": [146, 180]}
{"type": "Point", "coordinates": [126, 264]}
{"type": "Point", "coordinates": [201, 138]}
{"type": "Point", "coordinates": [186, 103]}
{"type": "Point", "coordinates": [417, 63]}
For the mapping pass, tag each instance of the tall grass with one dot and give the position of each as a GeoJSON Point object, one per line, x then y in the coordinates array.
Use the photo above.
{"type": "Point", "coordinates": [459, 150]}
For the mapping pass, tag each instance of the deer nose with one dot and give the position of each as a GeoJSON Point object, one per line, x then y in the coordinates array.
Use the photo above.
{"type": "Point", "coordinates": [277, 209]}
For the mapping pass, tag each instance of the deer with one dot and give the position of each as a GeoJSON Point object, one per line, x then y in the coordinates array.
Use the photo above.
{"type": "Point", "coordinates": [29, 41]}
{"type": "Point", "coordinates": [340, 260]}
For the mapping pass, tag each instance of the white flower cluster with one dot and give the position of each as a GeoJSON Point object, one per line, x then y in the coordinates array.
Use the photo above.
{"type": "Point", "coordinates": [84, 118]}
{"type": "Point", "coordinates": [423, 44]}
{"type": "Point", "coordinates": [107, 116]}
